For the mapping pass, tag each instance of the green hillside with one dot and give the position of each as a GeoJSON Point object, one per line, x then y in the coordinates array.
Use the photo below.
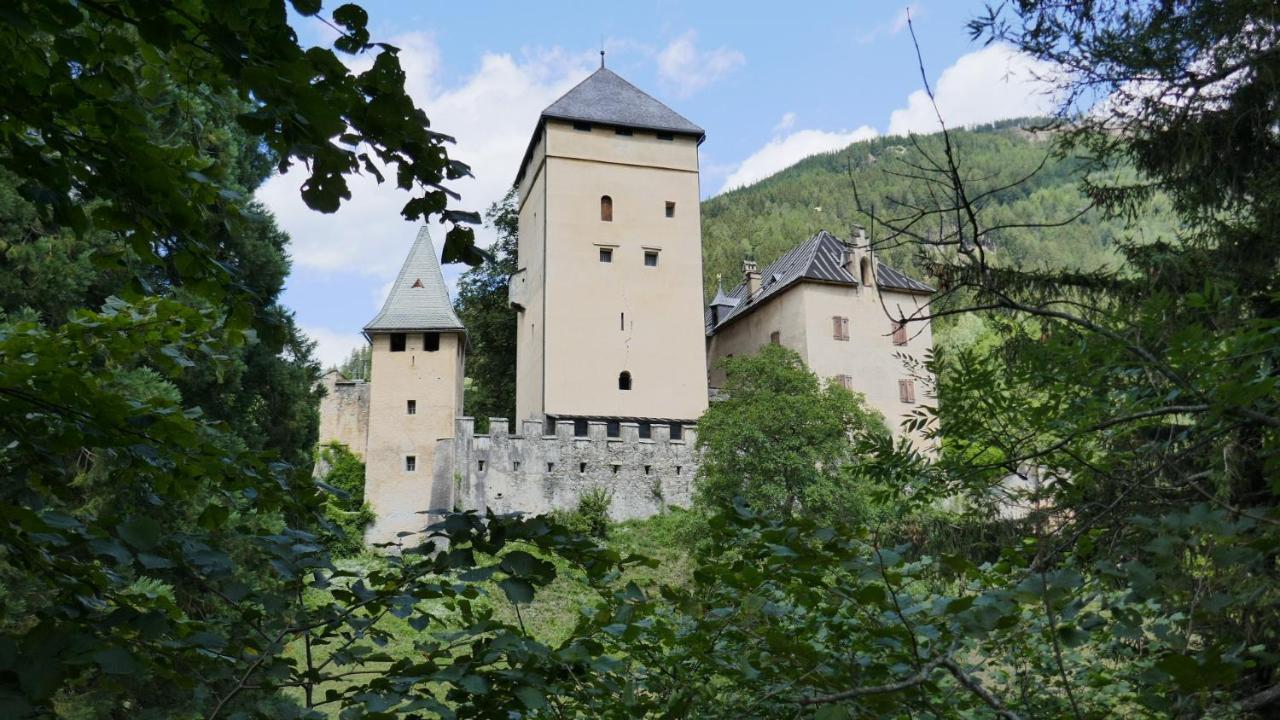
{"type": "Point", "coordinates": [772, 216]}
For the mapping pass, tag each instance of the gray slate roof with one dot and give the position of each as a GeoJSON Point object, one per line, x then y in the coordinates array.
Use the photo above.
{"type": "Point", "coordinates": [817, 259]}
{"type": "Point", "coordinates": [419, 299]}
{"type": "Point", "coordinates": [604, 97]}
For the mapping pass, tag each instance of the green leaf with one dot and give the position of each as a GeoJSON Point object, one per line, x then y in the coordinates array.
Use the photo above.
{"type": "Point", "coordinates": [531, 697]}
{"type": "Point", "coordinates": [517, 590]}
{"type": "Point", "coordinates": [116, 661]}
{"type": "Point", "coordinates": [142, 532]}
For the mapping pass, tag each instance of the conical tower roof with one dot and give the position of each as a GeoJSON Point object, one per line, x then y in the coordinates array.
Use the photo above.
{"type": "Point", "coordinates": [419, 299]}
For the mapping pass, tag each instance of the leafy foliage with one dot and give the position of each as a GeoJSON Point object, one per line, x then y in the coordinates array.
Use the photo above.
{"type": "Point", "coordinates": [483, 307]}
{"type": "Point", "coordinates": [345, 509]}
{"type": "Point", "coordinates": [591, 517]}
{"type": "Point", "coordinates": [782, 439]}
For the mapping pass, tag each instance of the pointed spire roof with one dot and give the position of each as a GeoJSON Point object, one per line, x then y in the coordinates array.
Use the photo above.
{"type": "Point", "coordinates": [418, 299]}
{"type": "Point", "coordinates": [721, 300]}
{"type": "Point", "coordinates": [604, 97]}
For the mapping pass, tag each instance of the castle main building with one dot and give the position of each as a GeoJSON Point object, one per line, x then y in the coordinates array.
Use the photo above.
{"type": "Point", "coordinates": [613, 339]}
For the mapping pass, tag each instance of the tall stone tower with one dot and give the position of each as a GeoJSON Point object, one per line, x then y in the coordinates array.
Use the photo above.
{"type": "Point", "coordinates": [609, 286]}
{"type": "Point", "coordinates": [419, 352]}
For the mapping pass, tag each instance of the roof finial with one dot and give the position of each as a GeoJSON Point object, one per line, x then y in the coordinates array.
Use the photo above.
{"type": "Point", "coordinates": [602, 51]}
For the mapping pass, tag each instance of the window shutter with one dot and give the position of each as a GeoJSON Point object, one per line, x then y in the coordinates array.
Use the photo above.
{"type": "Point", "coordinates": [899, 333]}
{"type": "Point", "coordinates": [775, 337]}
{"type": "Point", "coordinates": [835, 327]}
{"type": "Point", "coordinates": [907, 391]}
{"type": "Point", "coordinates": [844, 328]}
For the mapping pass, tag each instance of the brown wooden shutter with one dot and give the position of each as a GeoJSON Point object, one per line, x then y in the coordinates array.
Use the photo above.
{"type": "Point", "coordinates": [835, 327]}
{"type": "Point", "coordinates": [907, 391]}
{"type": "Point", "coordinates": [844, 328]}
{"type": "Point", "coordinates": [775, 337]}
{"type": "Point", "coordinates": [899, 333]}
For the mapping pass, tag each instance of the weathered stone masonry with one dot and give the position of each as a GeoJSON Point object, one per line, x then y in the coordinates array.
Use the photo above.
{"type": "Point", "coordinates": [536, 473]}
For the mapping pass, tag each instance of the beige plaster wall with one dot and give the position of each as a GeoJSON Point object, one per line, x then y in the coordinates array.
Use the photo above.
{"type": "Point", "coordinates": [527, 288]}
{"type": "Point", "coordinates": [344, 413]}
{"type": "Point", "coordinates": [434, 380]}
{"type": "Point", "coordinates": [600, 319]}
{"type": "Point", "coordinates": [803, 316]}
{"type": "Point", "coordinates": [783, 313]}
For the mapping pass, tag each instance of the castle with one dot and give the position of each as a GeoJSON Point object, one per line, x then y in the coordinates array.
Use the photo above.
{"type": "Point", "coordinates": [613, 343]}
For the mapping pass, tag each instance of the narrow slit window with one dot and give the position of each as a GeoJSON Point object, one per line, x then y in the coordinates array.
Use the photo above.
{"type": "Point", "coordinates": [665, 136]}
{"type": "Point", "coordinates": [606, 208]}
{"type": "Point", "coordinates": [410, 463]}
{"type": "Point", "coordinates": [622, 321]}
{"type": "Point", "coordinates": [651, 258]}
{"type": "Point", "coordinates": [480, 465]}
{"type": "Point", "coordinates": [551, 466]}
{"type": "Point", "coordinates": [865, 267]}
{"type": "Point", "coordinates": [671, 209]}
{"type": "Point", "coordinates": [431, 342]}
{"type": "Point", "coordinates": [624, 380]}
{"type": "Point", "coordinates": [411, 407]}
{"type": "Point", "coordinates": [678, 469]}
{"type": "Point", "coordinates": [648, 469]}
{"type": "Point", "coordinates": [515, 464]}
{"type": "Point", "coordinates": [584, 127]}
{"type": "Point", "coordinates": [582, 467]}
{"type": "Point", "coordinates": [606, 255]}
{"type": "Point", "coordinates": [397, 342]}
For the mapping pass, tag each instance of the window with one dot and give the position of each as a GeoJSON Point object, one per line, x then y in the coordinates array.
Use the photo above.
{"type": "Point", "coordinates": [410, 463]}
{"type": "Point", "coordinates": [671, 209]}
{"type": "Point", "coordinates": [624, 380]}
{"type": "Point", "coordinates": [606, 255]}
{"type": "Point", "coordinates": [626, 132]}
{"type": "Point", "coordinates": [480, 465]}
{"type": "Point", "coordinates": [907, 391]}
{"type": "Point", "coordinates": [515, 464]}
{"type": "Point", "coordinates": [678, 469]}
{"type": "Point", "coordinates": [411, 407]}
{"type": "Point", "coordinates": [582, 467]}
{"type": "Point", "coordinates": [622, 321]}
{"type": "Point", "coordinates": [840, 327]}
{"type": "Point", "coordinates": [613, 429]}
{"type": "Point", "coordinates": [899, 333]}
{"type": "Point", "coordinates": [865, 266]}
{"type": "Point", "coordinates": [579, 428]}
{"type": "Point", "coordinates": [431, 342]}
{"type": "Point", "coordinates": [677, 431]}
{"type": "Point", "coordinates": [397, 342]}
{"type": "Point", "coordinates": [646, 431]}
{"type": "Point", "coordinates": [648, 469]}
{"type": "Point", "coordinates": [665, 136]}
{"type": "Point", "coordinates": [551, 466]}
{"type": "Point", "coordinates": [651, 258]}
{"type": "Point", "coordinates": [775, 337]}
{"type": "Point", "coordinates": [845, 381]}
{"type": "Point", "coordinates": [584, 127]}
{"type": "Point", "coordinates": [606, 208]}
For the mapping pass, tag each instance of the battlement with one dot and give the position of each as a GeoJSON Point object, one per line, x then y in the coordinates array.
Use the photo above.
{"type": "Point", "coordinates": [535, 473]}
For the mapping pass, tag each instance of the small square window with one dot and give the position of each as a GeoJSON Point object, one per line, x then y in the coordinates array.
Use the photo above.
{"type": "Point", "coordinates": [671, 209]}
{"type": "Point", "coordinates": [646, 431]}
{"type": "Point", "coordinates": [411, 407]}
{"type": "Point", "coordinates": [585, 127]}
{"type": "Point", "coordinates": [410, 463]}
{"type": "Point", "coordinates": [651, 258]}
{"type": "Point", "coordinates": [431, 342]}
{"type": "Point", "coordinates": [613, 429]}
{"type": "Point", "coordinates": [579, 428]}
{"type": "Point", "coordinates": [551, 466]}
{"type": "Point", "coordinates": [606, 255]}
{"type": "Point", "coordinates": [677, 431]}
{"type": "Point", "coordinates": [665, 136]}
{"type": "Point", "coordinates": [648, 469]}
{"type": "Point", "coordinates": [397, 342]}
{"type": "Point", "coordinates": [678, 469]}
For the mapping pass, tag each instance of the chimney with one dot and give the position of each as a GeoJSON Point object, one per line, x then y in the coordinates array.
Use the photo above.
{"type": "Point", "coordinates": [859, 236]}
{"type": "Point", "coordinates": [750, 277]}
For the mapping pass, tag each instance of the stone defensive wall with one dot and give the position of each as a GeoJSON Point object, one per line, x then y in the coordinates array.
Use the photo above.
{"type": "Point", "coordinates": [534, 473]}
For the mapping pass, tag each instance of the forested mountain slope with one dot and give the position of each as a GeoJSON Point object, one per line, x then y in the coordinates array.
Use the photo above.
{"type": "Point", "coordinates": [772, 216]}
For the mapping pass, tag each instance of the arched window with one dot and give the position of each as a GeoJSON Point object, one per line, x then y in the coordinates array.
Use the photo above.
{"type": "Point", "coordinates": [606, 208]}
{"type": "Point", "coordinates": [866, 271]}
{"type": "Point", "coordinates": [624, 380]}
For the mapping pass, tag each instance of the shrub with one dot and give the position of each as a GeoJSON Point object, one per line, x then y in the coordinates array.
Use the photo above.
{"type": "Point", "coordinates": [591, 517]}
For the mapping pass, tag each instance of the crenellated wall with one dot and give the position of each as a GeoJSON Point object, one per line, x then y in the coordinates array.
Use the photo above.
{"type": "Point", "coordinates": [344, 414]}
{"type": "Point", "coordinates": [535, 473]}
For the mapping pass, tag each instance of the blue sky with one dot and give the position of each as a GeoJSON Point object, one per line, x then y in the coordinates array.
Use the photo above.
{"type": "Point", "coordinates": [771, 84]}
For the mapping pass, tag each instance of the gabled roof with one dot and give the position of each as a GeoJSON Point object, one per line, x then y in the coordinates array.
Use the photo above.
{"type": "Point", "coordinates": [604, 97]}
{"type": "Point", "coordinates": [818, 259]}
{"type": "Point", "coordinates": [418, 299]}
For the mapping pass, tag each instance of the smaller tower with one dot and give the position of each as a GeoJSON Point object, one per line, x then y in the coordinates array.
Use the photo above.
{"type": "Point", "coordinates": [419, 351]}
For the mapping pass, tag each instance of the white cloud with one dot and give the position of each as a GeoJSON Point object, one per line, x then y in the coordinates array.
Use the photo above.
{"type": "Point", "coordinates": [783, 152]}
{"type": "Point", "coordinates": [895, 25]}
{"type": "Point", "coordinates": [993, 83]}
{"type": "Point", "coordinates": [682, 66]}
{"type": "Point", "coordinates": [787, 122]}
{"type": "Point", "coordinates": [491, 113]}
{"type": "Point", "coordinates": [332, 347]}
